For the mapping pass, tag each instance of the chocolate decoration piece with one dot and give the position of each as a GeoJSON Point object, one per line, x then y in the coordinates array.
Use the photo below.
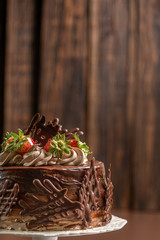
{"type": "Point", "coordinates": [89, 193]}
{"type": "Point", "coordinates": [8, 197]}
{"type": "Point", "coordinates": [70, 134]}
{"type": "Point", "coordinates": [42, 132]}
{"type": "Point", "coordinates": [109, 197]}
{"type": "Point", "coordinates": [46, 212]}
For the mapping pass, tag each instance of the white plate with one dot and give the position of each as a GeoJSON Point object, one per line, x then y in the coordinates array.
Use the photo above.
{"type": "Point", "coordinates": [115, 224]}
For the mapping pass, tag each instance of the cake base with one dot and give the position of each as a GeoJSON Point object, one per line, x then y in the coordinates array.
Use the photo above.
{"type": "Point", "coordinates": [115, 224]}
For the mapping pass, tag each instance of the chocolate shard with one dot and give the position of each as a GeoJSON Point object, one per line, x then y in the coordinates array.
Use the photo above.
{"type": "Point", "coordinates": [42, 132]}
{"type": "Point", "coordinates": [109, 196]}
{"type": "Point", "coordinates": [89, 193]}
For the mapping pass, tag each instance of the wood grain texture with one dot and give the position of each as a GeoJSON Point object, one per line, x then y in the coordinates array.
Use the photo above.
{"type": "Point", "coordinates": [95, 65]}
{"type": "Point", "coordinates": [108, 126]}
{"type": "Point", "coordinates": [19, 63]}
{"type": "Point", "coordinates": [63, 61]}
{"type": "Point", "coordinates": [147, 165]}
{"type": "Point", "coordinates": [2, 60]}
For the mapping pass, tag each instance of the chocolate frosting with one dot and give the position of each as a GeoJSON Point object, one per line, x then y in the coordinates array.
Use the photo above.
{"type": "Point", "coordinates": [37, 156]}
{"type": "Point", "coordinates": [75, 158]}
{"type": "Point", "coordinates": [10, 159]}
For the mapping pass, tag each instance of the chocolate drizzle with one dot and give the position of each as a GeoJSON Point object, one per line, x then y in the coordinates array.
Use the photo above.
{"type": "Point", "coordinates": [8, 197]}
{"type": "Point", "coordinates": [109, 197]}
{"type": "Point", "coordinates": [42, 132]}
{"type": "Point", "coordinates": [47, 212]}
{"type": "Point", "coordinates": [89, 193]}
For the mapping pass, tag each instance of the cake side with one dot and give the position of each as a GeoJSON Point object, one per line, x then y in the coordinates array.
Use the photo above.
{"type": "Point", "coordinates": [53, 198]}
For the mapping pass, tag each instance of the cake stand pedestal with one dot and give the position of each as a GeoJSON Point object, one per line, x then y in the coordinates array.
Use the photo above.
{"type": "Point", "coordinates": [115, 224]}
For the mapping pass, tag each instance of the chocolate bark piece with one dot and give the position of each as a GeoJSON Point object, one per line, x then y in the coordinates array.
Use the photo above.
{"type": "Point", "coordinates": [42, 132]}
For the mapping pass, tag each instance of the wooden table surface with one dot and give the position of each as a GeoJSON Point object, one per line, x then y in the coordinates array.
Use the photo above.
{"type": "Point", "coordinates": [140, 226]}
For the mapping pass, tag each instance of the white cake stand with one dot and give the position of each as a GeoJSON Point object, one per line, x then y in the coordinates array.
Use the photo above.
{"type": "Point", "coordinates": [115, 224]}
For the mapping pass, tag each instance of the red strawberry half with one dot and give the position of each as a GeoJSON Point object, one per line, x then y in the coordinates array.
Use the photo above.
{"type": "Point", "coordinates": [18, 143]}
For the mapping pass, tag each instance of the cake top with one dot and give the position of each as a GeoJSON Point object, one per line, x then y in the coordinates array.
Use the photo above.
{"type": "Point", "coordinates": [44, 144]}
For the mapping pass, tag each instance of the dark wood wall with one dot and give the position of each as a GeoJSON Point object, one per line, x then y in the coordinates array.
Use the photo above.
{"type": "Point", "coordinates": [94, 64]}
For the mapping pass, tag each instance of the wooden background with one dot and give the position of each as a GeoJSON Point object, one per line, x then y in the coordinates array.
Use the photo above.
{"type": "Point", "coordinates": [94, 64]}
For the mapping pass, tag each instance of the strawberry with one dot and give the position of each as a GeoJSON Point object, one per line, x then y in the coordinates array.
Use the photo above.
{"type": "Point", "coordinates": [73, 143]}
{"type": "Point", "coordinates": [48, 147]}
{"type": "Point", "coordinates": [58, 146]}
{"type": "Point", "coordinates": [77, 143]}
{"type": "Point", "coordinates": [26, 146]}
{"type": "Point", "coordinates": [19, 143]}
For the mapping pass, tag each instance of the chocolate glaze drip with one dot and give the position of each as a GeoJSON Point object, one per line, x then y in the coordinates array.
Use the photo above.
{"type": "Point", "coordinates": [8, 197]}
{"type": "Point", "coordinates": [42, 132]}
{"type": "Point", "coordinates": [57, 206]}
{"type": "Point", "coordinates": [89, 193]}
{"type": "Point", "coordinates": [109, 197]}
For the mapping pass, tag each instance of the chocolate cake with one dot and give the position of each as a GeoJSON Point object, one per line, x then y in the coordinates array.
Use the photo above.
{"type": "Point", "coordinates": [49, 183]}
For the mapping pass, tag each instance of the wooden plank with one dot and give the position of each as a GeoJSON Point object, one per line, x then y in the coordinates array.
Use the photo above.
{"type": "Point", "coordinates": [132, 73]}
{"type": "Point", "coordinates": [19, 63]}
{"type": "Point", "coordinates": [146, 161]}
{"type": "Point", "coordinates": [63, 61]}
{"type": "Point", "coordinates": [2, 61]}
{"type": "Point", "coordinates": [110, 117]}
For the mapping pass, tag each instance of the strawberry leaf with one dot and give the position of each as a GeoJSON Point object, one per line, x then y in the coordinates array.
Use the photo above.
{"type": "Point", "coordinates": [20, 132]}
{"type": "Point", "coordinates": [13, 141]}
{"type": "Point", "coordinates": [14, 134]}
{"type": "Point", "coordinates": [82, 145]}
{"type": "Point", "coordinates": [66, 151]}
{"type": "Point", "coordinates": [59, 145]}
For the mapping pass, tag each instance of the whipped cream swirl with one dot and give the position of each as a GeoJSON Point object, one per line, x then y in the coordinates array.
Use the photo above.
{"type": "Point", "coordinates": [37, 156]}
{"type": "Point", "coordinates": [75, 158]}
{"type": "Point", "coordinates": [10, 159]}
